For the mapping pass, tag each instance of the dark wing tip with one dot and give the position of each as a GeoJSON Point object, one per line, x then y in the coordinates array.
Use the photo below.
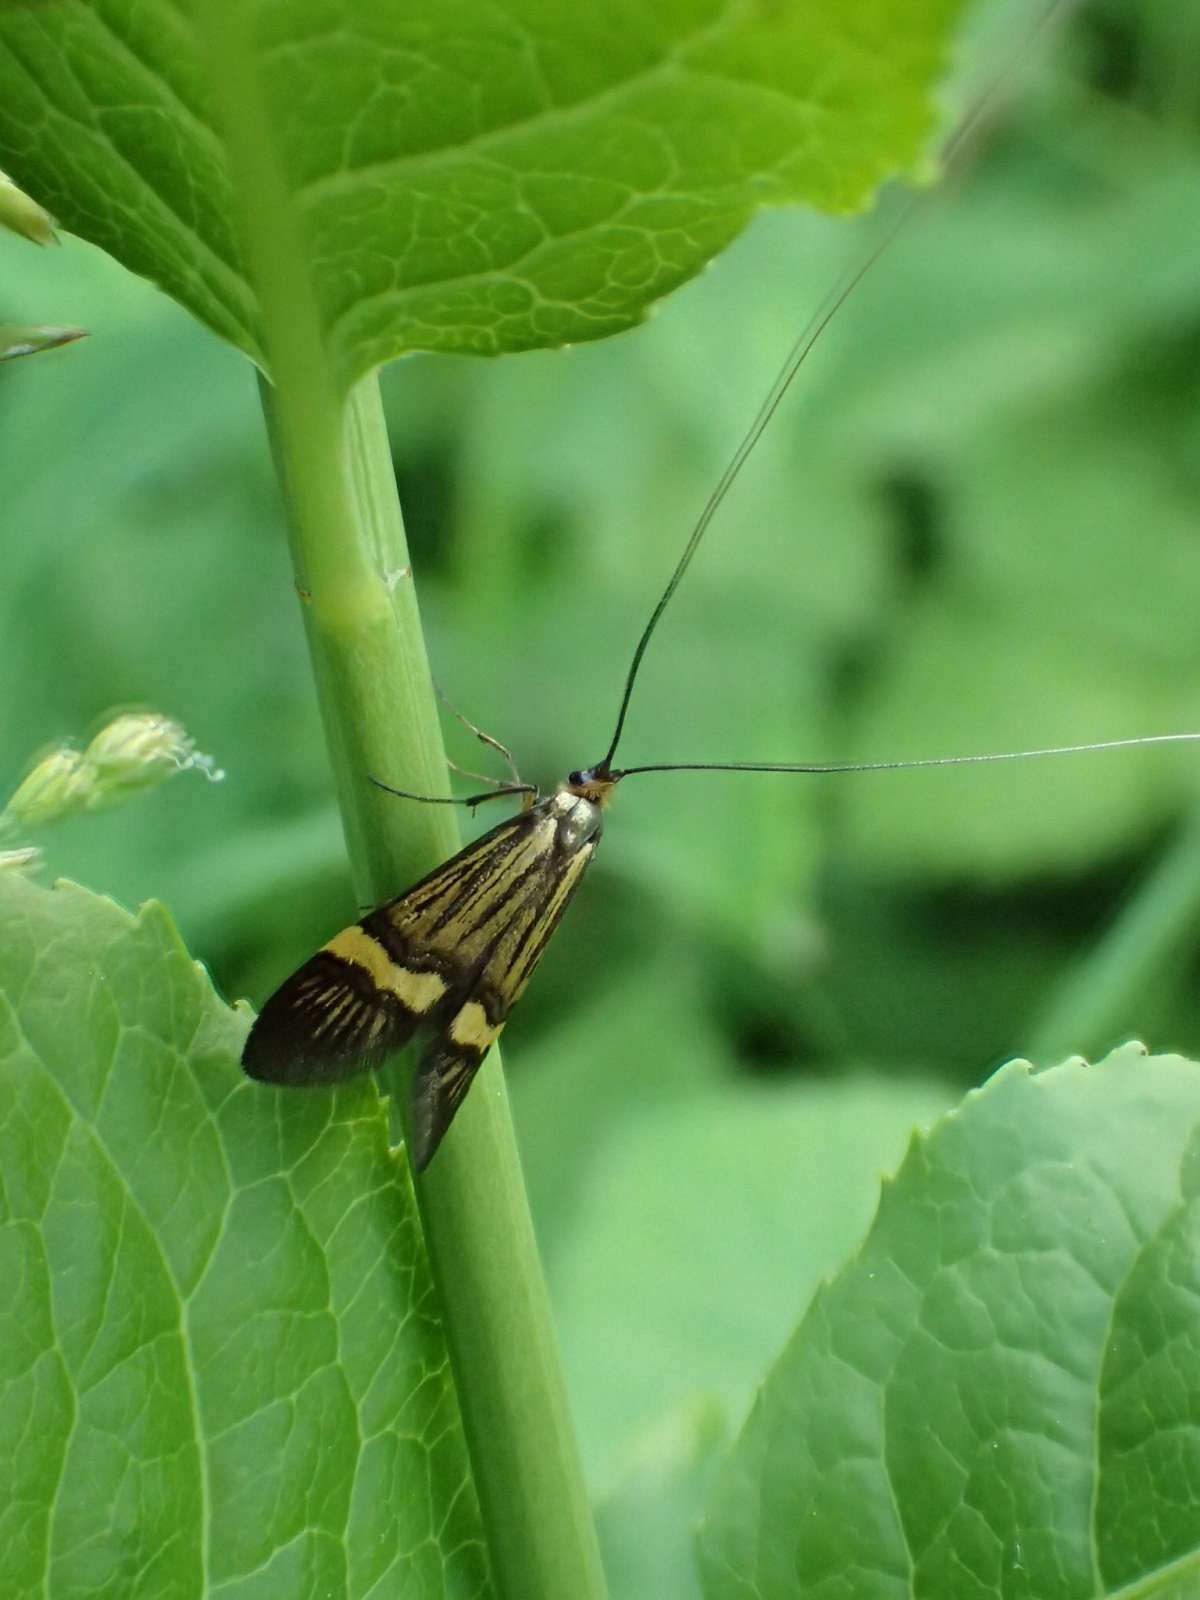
{"type": "Point", "coordinates": [421, 1145]}
{"type": "Point", "coordinates": [439, 1086]}
{"type": "Point", "coordinates": [326, 1023]}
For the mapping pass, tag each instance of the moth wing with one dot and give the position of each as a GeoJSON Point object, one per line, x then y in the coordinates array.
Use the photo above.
{"type": "Point", "coordinates": [444, 1073]}
{"type": "Point", "coordinates": [346, 1009]}
{"type": "Point", "coordinates": [364, 994]}
{"type": "Point", "coordinates": [452, 954]}
{"type": "Point", "coordinates": [475, 1015]}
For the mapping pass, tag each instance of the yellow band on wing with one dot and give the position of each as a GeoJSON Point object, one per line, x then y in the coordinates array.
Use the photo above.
{"type": "Point", "coordinates": [470, 1028]}
{"type": "Point", "coordinates": [419, 991]}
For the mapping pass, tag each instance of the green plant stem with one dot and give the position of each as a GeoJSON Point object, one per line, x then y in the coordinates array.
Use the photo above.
{"type": "Point", "coordinates": [1155, 927]}
{"type": "Point", "coordinates": [380, 713]}
{"type": "Point", "coordinates": [360, 609]}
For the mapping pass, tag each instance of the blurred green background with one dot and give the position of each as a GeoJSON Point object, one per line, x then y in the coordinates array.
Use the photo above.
{"type": "Point", "coordinates": [974, 526]}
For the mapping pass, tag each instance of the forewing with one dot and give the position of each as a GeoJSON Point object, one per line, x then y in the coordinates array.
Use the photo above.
{"type": "Point", "coordinates": [452, 954]}
{"type": "Point", "coordinates": [346, 1009]}
{"type": "Point", "coordinates": [514, 934]}
{"type": "Point", "coordinates": [363, 995]}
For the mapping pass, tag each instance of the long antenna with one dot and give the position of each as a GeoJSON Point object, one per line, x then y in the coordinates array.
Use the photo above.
{"type": "Point", "coordinates": [468, 800]}
{"type": "Point", "coordinates": [795, 359]}
{"type": "Point", "coordinates": [909, 766]}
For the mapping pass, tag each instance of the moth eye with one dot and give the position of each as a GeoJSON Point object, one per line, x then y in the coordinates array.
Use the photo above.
{"type": "Point", "coordinates": [576, 778]}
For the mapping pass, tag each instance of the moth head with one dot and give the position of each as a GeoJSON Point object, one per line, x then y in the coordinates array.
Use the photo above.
{"type": "Point", "coordinates": [594, 784]}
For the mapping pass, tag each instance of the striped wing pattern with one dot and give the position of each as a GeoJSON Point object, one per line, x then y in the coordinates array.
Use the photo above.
{"type": "Point", "coordinates": [451, 956]}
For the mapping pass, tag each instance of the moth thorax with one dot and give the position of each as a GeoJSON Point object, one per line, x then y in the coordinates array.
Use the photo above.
{"type": "Point", "coordinates": [579, 821]}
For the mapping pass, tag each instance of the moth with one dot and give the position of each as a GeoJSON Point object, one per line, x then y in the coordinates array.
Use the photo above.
{"type": "Point", "coordinates": [451, 956]}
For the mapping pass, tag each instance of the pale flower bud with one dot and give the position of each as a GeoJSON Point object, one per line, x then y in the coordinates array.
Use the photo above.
{"type": "Point", "coordinates": [60, 783]}
{"type": "Point", "coordinates": [137, 751]}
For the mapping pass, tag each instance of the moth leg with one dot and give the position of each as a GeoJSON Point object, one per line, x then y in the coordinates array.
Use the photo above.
{"type": "Point", "coordinates": [469, 772]}
{"type": "Point", "coordinates": [484, 738]}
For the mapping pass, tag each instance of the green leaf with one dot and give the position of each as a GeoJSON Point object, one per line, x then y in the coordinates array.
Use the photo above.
{"type": "Point", "coordinates": [221, 1368]}
{"type": "Point", "coordinates": [660, 1305]}
{"type": "Point", "coordinates": [693, 1232]}
{"type": "Point", "coordinates": [456, 176]}
{"type": "Point", "coordinates": [1001, 1393]}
